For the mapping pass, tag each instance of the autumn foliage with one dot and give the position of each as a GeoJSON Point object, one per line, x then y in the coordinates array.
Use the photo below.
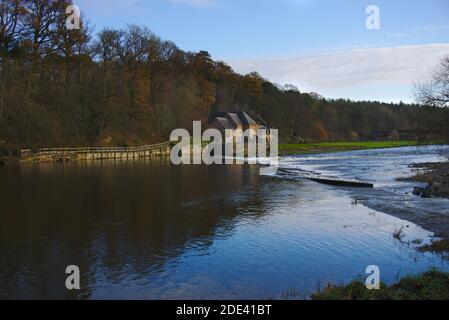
{"type": "Point", "coordinates": [61, 87]}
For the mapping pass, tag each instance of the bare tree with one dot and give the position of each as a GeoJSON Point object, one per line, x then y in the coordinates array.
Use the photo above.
{"type": "Point", "coordinates": [72, 45]}
{"type": "Point", "coordinates": [11, 31]}
{"type": "Point", "coordinates": [436, 91]}
{"type": "Point", "coordinates": [42, 18]}
{"type": "Point", "coordinates": [435, 94]}
{"type": "Point", "coordinates": [11, 23]}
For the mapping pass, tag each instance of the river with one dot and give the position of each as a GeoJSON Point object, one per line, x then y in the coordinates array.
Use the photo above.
{"type": "Point", "coordinates": [150, 230]}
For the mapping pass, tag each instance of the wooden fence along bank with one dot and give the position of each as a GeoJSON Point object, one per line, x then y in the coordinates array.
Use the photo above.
{"type": "Point", "coordinates": [101, 153]}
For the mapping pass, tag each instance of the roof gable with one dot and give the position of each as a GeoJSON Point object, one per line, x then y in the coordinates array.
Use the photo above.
{"type": "Point", "coordinates": [235, 119]}
{"type": "Point", "coordinates": [247, 120]}
{"type": "Point", "coordinates": [224, 123]}
{"type": "Point", "coordinates": [232, 120]}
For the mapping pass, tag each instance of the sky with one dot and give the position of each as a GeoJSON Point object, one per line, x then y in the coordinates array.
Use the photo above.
{"type": "Point", "coordinates": [319, 46]}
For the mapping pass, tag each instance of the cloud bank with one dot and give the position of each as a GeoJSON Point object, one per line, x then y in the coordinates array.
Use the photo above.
{"type": "Point", "coordinates": [334, 72]}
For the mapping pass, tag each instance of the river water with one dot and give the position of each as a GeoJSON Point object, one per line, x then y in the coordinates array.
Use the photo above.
{"type": "Point", "coordinates": [150, 230]}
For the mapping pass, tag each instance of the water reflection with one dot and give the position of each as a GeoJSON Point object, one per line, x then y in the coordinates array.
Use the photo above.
{"type": "Point", "coordinates": [125, 218]}
{"type": "Point", "coordinates": [149, 230]}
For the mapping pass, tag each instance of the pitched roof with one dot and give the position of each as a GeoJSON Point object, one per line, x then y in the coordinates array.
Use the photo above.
{"type": "Point", "coordinates": [235, 119]}
{"type": "Point", "coordinates": [224, 123]}
{"type": "Point", "coordinates": [216, 114]}
{"type": "Point", "coordinates": [246, 119]}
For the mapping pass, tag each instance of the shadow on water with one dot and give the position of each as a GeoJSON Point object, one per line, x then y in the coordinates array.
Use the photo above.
{"type": "Point", "coordinates": [125, 219]}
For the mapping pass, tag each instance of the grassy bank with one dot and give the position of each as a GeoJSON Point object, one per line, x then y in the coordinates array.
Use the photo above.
{"type": "Point", "coordinates": [432, 285]}
{"type": "Point", "coordinates": [326, 147]}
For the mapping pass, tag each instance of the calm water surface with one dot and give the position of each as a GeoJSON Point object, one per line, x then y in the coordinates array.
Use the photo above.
{"type": "Point", "coordinates": [149, 230]}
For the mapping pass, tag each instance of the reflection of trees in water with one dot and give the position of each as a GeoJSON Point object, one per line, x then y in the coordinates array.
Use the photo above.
{"type": "Point", "coordinates": [113, 221]}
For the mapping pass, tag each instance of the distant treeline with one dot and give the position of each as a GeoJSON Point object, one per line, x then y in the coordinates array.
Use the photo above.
{"type": "Point", "coordinates": [61, 87]}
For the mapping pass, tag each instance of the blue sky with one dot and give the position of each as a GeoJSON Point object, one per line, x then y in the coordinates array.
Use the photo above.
{"type": "Point", "coordinates": [317, 45]}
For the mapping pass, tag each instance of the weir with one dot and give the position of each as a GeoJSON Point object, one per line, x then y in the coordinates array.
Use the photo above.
{"type": "Point", "coordinates": [96, 153]}
{"type": "Point", "coordinates": [332, 181]}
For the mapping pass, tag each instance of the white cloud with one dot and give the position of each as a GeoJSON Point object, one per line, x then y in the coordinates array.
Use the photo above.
{"type": "Point", "coordinates": [335, 71]}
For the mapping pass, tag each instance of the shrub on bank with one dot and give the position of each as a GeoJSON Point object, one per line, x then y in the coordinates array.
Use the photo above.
{"type": "Point", "coordinates": [432, 285]}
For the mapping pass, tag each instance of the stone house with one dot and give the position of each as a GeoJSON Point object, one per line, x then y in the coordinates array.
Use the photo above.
{"type": "Point", "coordinates": [238, 121]}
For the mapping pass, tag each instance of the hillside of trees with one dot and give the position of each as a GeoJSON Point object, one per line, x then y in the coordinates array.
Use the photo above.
{"type": "Point", "coordinates": [61, 87]}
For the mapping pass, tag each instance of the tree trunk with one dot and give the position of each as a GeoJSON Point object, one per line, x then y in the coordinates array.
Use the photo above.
{"type": "Point", "coordinates": [2, 90]}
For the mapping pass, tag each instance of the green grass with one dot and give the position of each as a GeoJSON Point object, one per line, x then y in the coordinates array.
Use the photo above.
{"type": "Point", "coordinates": [432, 285]}
{"type": "Point", "coordinates": [324, 147]}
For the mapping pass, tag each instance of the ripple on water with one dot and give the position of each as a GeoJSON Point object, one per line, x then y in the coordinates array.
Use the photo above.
{"type": "Point", "coordinates": [154, 231]}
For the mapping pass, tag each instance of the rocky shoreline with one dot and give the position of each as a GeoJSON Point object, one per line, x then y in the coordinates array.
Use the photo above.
{"type": "Point", "coordinates": [431, 285]}
{"type": "Point", "coordinates": [436, 176]}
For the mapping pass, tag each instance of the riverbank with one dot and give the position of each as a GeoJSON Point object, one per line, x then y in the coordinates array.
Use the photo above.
{"type": "Point", "coordinates": [436, 176]}
{"type": "Point", "coordinates": [329, 147]}
{"type": "Point", "coordinates": [313, 148]}
{"type": "Point", "coordinates": [431, 285]}
{"type": "Point", "coordinates": [383, 167]}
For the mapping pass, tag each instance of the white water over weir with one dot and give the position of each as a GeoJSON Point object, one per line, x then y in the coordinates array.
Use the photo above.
{"type": "Point", "coordinates": [96, 153]}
